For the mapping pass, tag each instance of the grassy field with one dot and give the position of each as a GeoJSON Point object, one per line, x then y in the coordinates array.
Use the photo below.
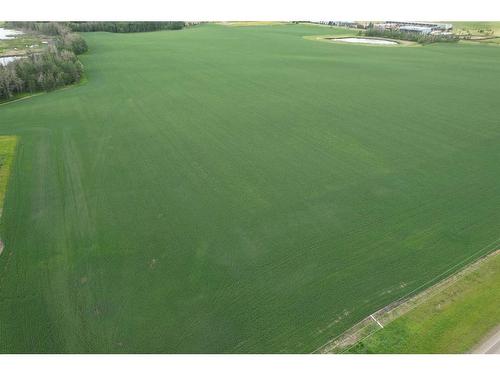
{"type": "Point", "coordinates": [243, 189]}
{"type": "Point", "coordinates": [476, 27]}
{"type": "Point", "coordinates": [452, 321]}
{"type": "Point", "coordinates": [479, 32]}
{"type": "Point", "coordinates": [251, 23]}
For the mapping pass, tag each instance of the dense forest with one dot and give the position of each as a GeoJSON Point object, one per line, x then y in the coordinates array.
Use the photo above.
{"type": "Point", "coordinates": [45, 71]}
{"type": "Point", "coordinates": [51, 28]}
{"type": "Point", "coordinates": [55, 67]}
{"type": "Point", "coordinates": [125, 27]}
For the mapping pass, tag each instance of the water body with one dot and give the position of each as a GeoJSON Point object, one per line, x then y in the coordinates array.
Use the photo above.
{"type": "Point", "coordinates": [9, 34]}
{"type": "Point", "coordinates": [365, 41]}
{"type": "Point", "coordinates": [5, 60]}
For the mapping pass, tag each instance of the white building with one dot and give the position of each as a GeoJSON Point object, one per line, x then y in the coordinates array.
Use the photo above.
{"type": "Point", "coordinates": [416, 29]}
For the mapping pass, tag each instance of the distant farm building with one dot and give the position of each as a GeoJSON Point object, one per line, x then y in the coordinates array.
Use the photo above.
{"type": "Point", "coordinates": [415, 27]}
{"type": "Point", "coordinates": [347, 24]}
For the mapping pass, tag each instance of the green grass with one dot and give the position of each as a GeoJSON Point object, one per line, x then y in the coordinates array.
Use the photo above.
{"type": "Point", "coordinates": [7, 150]}
{"type": "Point", "coordinates": [242, 189]}
{"type": "Point", "coordinates": [251, 23]}
{"type": "Point", "coordinates": [452, 321]}
{"type": "Point", "coordinates": [477, 27]}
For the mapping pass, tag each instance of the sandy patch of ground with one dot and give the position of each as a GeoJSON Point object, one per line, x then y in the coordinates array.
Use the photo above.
{"type": "Point", "coordinates": [337, 39]}
{"type": "Point", "coordinates": [375, 41]}
{"type": "Point", "coordinates": [152, 263]}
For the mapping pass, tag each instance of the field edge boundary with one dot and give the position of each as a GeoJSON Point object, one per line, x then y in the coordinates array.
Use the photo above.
{"type": "Point", "coordinates": [12, 142]}
{"type": "Point", "coordinates": [83, 81]}
{"type": "Point", "coordinates": [378, 319]}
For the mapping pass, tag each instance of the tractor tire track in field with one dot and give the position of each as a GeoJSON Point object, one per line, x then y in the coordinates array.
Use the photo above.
{"type": "Point", "coordinates": [75, 197]}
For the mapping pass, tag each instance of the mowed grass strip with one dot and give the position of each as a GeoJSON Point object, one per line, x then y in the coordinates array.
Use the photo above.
{"type": "Point", "coordinates": [7, 151]}
{"type": "Point", "coordinates": [243, 189]}
{"type": "Point", "coordinates": [453, 320]}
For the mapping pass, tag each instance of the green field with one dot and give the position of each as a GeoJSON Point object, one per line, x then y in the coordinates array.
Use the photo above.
{"type": "Point", "coordinates": [480, 32]}
{"type": "Point", "coordinates": [453, 320]}
{"type": "Point", "coordinates": [243, 189]}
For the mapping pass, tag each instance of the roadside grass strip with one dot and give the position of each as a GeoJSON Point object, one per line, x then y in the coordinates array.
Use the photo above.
{"type": "Point", "coordinates": [450, 317]}
{"type": "Point", "coordinates": [7, 150]}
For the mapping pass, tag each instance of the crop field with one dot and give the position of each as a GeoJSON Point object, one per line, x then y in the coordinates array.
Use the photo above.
{"type": "Point", "coordinates": [243, 189]}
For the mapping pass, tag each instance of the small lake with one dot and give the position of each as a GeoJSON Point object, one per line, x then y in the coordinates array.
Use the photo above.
{"type": "Point", "coordinates": [9, 34]}
{"type": "Point", "coordinates": [365, 41]}
{"type": "Point", "coordinates": [5, 60]}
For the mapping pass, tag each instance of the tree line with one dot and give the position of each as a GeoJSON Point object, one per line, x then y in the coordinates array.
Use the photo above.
{"type": "Point", "coordinates": [54, 67]}
{"type": "Point", "coordinates": [411, 36]}
{"type": "Point", "coordinates": [54, 28]}
{"type": "Point", "coordinates": [44, 71]}
{"type": "Point", "coordinates": [125, 27]}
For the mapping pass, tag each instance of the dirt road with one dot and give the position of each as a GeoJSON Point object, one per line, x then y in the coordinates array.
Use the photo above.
{"type": "Point", "coordinates": [491, 344]}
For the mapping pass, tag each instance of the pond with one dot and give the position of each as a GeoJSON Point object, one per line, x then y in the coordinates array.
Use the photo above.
{"type": "Point", "coordinates": [365, 41]}
{"type": "Point", "coordinates": [7, 59]}
{"type": "Point", "coordinates": [9, 34]}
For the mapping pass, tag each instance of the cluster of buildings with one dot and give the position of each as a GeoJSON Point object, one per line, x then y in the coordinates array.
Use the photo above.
{"type": "Point", "coordinates": [349, 24]}
{"type": "Point", "coordinates": [416, 27]}
{"type": "Point", "coordinates": [413, 27]}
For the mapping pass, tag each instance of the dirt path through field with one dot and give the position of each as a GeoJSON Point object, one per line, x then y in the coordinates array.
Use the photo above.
{"type": "Point", "coordinates": [491, 344]}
